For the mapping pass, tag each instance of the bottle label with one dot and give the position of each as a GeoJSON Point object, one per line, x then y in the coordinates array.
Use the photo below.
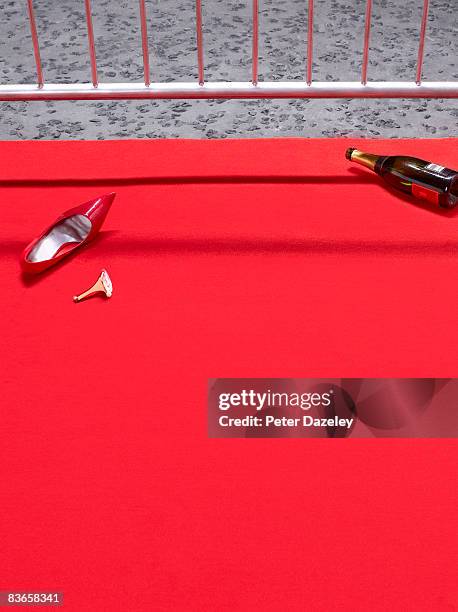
{"type": "Point", "coordinates": [425, 193]}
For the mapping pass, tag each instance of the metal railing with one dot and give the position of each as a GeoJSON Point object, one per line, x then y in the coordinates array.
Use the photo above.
{"type": "Point", "coordinates": [308, 88]}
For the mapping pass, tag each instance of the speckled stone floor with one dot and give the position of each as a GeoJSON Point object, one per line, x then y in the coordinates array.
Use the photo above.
{"type": "Point", "coordinates": [227, 30]}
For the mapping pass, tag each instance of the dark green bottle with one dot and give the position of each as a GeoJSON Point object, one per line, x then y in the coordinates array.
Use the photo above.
{"type": "Point", "coordinates": [417, 177]}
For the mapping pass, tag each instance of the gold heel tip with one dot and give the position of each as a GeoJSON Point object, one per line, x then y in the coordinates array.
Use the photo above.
{"type": "Point", "coordinates": [102, 285]}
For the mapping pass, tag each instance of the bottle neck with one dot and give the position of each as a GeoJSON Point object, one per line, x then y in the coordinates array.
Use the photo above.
{"type": "Point", "coordinates": [364, 159]}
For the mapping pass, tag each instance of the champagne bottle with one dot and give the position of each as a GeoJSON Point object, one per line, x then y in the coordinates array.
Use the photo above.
{"type": "Point", "coordinates": [417, 177]}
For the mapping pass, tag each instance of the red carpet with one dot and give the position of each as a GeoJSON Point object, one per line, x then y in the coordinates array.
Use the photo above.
{"type": "Point", "coordinates": [229, 259]}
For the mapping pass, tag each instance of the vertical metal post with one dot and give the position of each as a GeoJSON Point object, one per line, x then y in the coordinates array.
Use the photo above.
{"type": "Point", "coordinates": [255, 48]}
{"type": "Point", "coordinates": [200, 44]}
{"type": "Point", "coordinates": [367, 33]}
{"type": "Point", "coordinates": [421, 47]}
{"type": "Point", "coordinates": [36, 46]}
{"type": "Point", "coordinates": [90, 36]}
{"type": "Point", "coordinates": [310, 44]}
{"type": "Point", "coordinates": [144, 27]}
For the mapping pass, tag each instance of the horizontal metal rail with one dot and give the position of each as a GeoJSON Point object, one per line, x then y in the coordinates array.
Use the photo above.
{"type": "Point", "coordinates": [264, 89]}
